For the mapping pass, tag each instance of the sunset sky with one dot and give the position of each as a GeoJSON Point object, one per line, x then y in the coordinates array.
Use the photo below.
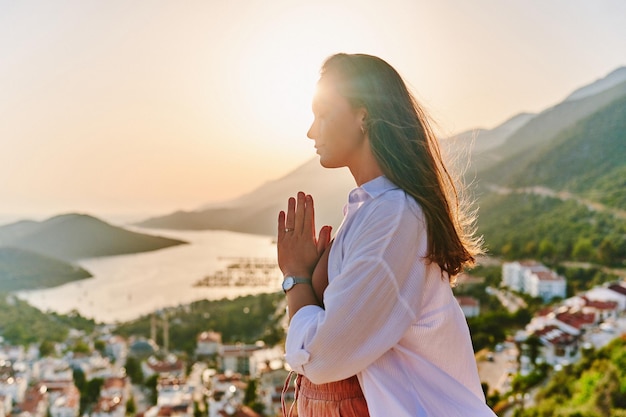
{"type": "Point", "coordinates": [141, 107]}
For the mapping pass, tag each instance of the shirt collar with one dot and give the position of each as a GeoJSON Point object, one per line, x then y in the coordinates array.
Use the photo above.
{"type": "Point", "coordinates": [371, 189]}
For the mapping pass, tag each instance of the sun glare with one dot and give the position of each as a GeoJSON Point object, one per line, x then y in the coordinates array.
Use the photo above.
{"type": "Point", "coordinates": [279, 69]}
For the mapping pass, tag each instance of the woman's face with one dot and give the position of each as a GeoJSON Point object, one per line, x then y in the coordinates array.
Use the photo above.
{"type": "Point", "coordinates": [336, 128]}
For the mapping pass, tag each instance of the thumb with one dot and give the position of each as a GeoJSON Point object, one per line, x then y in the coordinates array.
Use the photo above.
{"type": "Point", "coordinates": [324, 239]}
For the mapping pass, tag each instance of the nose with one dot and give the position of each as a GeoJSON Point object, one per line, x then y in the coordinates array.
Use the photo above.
{"type": "Point", "coordinates": [311, 133]}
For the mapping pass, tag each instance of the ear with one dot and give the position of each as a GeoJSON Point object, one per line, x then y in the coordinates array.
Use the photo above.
{"type": "Point", "coordinates": [362, 114]}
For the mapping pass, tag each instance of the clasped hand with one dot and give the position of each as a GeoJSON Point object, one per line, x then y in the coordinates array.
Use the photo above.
{"type": "Point", "coordinates": [299, 249]}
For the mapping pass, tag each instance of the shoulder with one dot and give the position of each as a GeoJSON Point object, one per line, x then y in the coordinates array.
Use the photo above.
{"type": "Point", "coordinates": [396, 202]}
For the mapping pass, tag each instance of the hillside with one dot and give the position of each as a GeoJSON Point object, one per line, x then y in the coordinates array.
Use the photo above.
{"type": "Point", "coordinates": [541, 129]}
{"type": "Point", "coordinates": [257, 211]}
{"type": "Point", "coordinates": [565, 200]}
{"type": "Point", "coordinates": [588, 158]}
{"type": "Point", "coordinates": [595, 386]}
{"type": "Point", "coordinates": [24, 270]}
{"type": "Point", "coordinates": [74, 236]}
{"type": "Point", "coordinates": [22, 324]}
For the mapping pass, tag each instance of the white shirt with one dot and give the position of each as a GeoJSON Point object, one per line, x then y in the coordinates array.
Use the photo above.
{"type": "Point", "coordinates": [390, 316]}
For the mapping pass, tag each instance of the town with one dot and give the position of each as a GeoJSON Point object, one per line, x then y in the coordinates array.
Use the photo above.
{"type": "Point", "coordinates": [104, 374]}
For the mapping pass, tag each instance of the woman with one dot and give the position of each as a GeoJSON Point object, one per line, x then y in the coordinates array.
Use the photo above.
{"type": "Point", "coordinates": [389, 315]}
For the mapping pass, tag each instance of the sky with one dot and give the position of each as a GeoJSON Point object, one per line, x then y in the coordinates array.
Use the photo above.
{"type": "Point", "coordinates": [143, 107]}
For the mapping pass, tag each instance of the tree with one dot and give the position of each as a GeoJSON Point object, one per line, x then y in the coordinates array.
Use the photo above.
{"type": "Point", "coordinates": [133, 370]}
{"type": "Point", "coordinates": [151, 384]}
{"type": "Point", "coordinates": [46, 348]}
{"type": "Point", "coordinates": [131, 407]}
{"type": "Point", "coordinates": [547, 250]}
{"type": "Point", "coordinates": [583, 249]}
{"type": "Point", "coordinates": [250, 397]}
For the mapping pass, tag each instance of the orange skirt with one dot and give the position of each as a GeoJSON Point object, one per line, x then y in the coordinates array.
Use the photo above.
{"type": "Point", "coordinates": [335, 399]}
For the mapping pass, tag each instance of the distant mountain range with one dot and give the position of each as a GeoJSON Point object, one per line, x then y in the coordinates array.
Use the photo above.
{"type": "Point", "coordinates": [41, 254]}
{"type": "Point", "coordinates": [577, 146]}
{"type": "Point", "coordinates": [257, 212]}
{"type": "Point", "coordinates": [549, 185]}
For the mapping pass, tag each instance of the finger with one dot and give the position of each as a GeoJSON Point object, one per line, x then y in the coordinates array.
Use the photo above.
{"type": "Point", "coordinates": [309, 216]}
{"type": "Point", "coordinates": [299, 217]}
{"type": "Point", "coordinates": [324, 239]}
{"type": "Point", "coordinates": [281, 225]}
{"type": "Point", "coordinates": [290, 219]}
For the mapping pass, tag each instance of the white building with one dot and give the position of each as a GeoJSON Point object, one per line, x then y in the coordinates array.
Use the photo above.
{"type": "Point", "coordinates": [531, 277]}
{"type": "Point", "coordinates": [514, 274]}
{"type": "Point", "coordinates": [545, 284]}
{"type": "Point", "coordinates": [610, 292]}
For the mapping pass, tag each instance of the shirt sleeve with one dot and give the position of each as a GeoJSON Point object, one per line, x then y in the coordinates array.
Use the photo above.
{"type": "Point", "coordinates": [371, 303]}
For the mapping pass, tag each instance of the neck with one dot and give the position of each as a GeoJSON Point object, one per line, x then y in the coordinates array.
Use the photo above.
{"type": "Point", "coordinates": [365, 168]}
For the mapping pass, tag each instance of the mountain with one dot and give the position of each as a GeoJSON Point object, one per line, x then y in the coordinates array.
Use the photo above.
{"type": "Point", "coordinates": [560, 176]}
{"type": "Point", "coordinates": [566, 198]}
{"type": "Point", "coordinates": [545, 126]}
{"type": "Point", "coordinates": [257, 212]}
{"type": "Point", "coordinates": [482, 140]}
{"type": "Point", "coordinates": [588, 159]}
{"type": "Point", "coordinates": [614, 78]}
{"type": "Point", "coordinates": [74, 236]}
{"type": "Point", "coordinates": [24, 270]}
{"type": "Point", "coordinates": [555, 126]}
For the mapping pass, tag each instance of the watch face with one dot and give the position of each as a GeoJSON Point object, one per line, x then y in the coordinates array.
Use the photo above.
{"type": "Point", "coordinates": [288, 283]}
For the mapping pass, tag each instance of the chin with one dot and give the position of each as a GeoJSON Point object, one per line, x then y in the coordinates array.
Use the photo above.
{"type": "Point", "coordinates": [327, 164]}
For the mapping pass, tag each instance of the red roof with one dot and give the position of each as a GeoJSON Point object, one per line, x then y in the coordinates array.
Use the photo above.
{"type": "Point", "coordinates": [600, 305]}
{"type": "Point", "coordinates": [577, 319]}
{"type": "Point", "coordinates": [548, 276]}
{"type": "Point", "coordinates": [618, 288]}
{"type": "Point", "coordinates": [114, 382]}
{"type": "Point", "coordinates": [555, 336]}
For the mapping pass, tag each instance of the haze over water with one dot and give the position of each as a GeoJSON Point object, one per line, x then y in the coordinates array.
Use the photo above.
{"type": "Point", "coordinates": [125, 287]}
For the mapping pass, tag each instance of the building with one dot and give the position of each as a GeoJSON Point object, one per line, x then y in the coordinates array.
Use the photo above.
{"type": "Point", "coordinates": [208, 343]}
{"type": "Point", "coordinates": [64, 401]}
{"type": "Point", "coordinates": [559, 347]}
{"type": "Point", "coordinates": [170, 366]}
{"type": "Point", "coordinates": [469, 305]}
{"type": "Point", "coordinates": [514, 273]}
{"type": "Point", "coordinates": [237, 358]}
{"type": "Point", "coordinates": [611, 292]}
{"type": "Point", "coordinates": [35, 403]}
{"type": "Point", "coordinates": [533, 278]}
{"type": "Point", "coordinates": [271, 384]}
{"type": "Point", "coordinates": [546, 285]}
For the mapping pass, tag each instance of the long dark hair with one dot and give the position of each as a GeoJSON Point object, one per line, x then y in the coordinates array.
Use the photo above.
{"type": "Point", "coordinates": [407, 151]}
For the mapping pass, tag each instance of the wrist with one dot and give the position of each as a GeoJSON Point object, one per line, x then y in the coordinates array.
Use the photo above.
{"type": "Point", "coordinates": [290, 281]}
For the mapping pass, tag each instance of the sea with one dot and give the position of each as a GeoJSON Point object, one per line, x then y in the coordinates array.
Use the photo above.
{"type": "Point", "coordinates": [126, 287]}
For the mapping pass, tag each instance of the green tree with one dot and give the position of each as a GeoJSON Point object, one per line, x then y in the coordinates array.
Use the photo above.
{"type": "Point", "coordinates": [100, 346]}
{"type": "Point", "coordinates": [81, 347]}
{"type": "Point", "coordinates": [251, 399]}
{"type": "Point", "coordinates": [90, 393]}
{"type": "Point", "coordinates": [547, 250]}
{"type": "Point", "coordinates": [131, 407]}
{"type": "Point", "coordinates": [583, 249]}
{"type": "Point", "coordinates": [151, 384]}
{"type": "Point", "coordinates": [133, 370]}
{"type": "Point", "coordinates": [47, 348]}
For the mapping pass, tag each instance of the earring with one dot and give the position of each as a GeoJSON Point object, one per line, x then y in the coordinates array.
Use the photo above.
{"type": "Point", "coordinates": [363, 129]}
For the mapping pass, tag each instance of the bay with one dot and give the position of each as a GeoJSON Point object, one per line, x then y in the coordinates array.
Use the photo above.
{"type": "Point", "coordinates": [125, 287]}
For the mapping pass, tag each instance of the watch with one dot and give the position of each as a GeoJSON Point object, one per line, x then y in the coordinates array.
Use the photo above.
{"type": "Point", "coordinates": [290, 281]}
